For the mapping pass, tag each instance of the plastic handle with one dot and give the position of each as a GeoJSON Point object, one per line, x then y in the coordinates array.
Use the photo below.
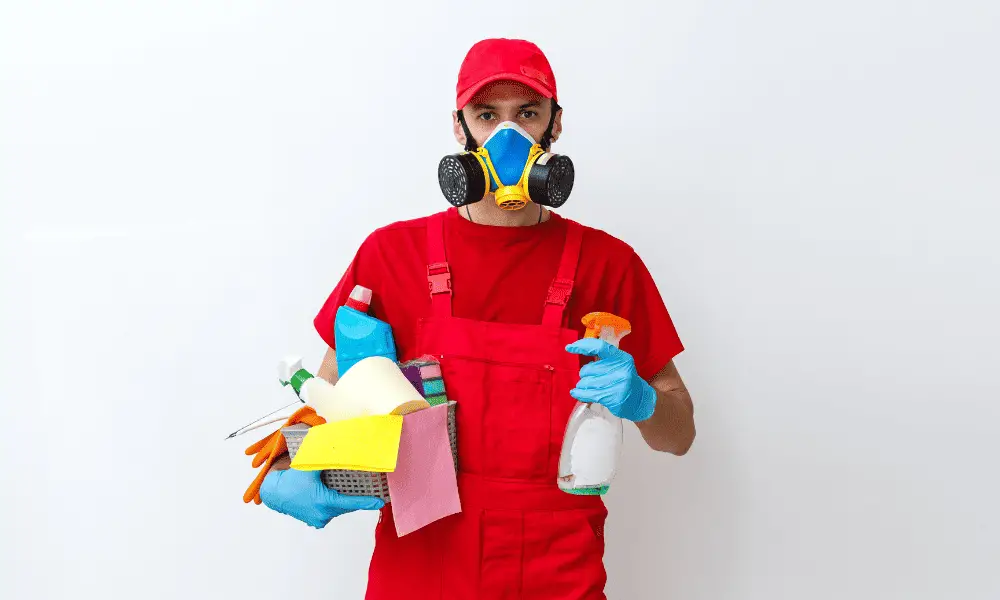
{"type": "Point", "coordinates": [606, 326]}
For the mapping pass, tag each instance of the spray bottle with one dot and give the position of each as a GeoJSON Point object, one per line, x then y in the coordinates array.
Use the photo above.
{"type": "Point", "coordinates": [593, 441]}
{"type": "Point", "coordinates": [313, 391]}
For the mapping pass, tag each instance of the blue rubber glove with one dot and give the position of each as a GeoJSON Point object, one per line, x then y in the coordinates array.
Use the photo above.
{"type": "Point", "coordinates": [302, 495]}
{"type": "Point", "coordinates": [612, 380]}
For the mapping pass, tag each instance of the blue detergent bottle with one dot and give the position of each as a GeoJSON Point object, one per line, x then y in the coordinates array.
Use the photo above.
{"type": "Point", "coordinates": [359, 335]}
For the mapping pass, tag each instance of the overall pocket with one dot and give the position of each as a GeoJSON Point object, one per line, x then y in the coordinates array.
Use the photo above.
{"type": "Point", "coordinates": [564, 554]}
{"type": "Point", "coordinates": [509, 409]}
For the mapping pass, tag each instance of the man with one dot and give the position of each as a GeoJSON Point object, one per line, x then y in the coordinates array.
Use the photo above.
{"type": "Point", "coordinates": [499, 296]}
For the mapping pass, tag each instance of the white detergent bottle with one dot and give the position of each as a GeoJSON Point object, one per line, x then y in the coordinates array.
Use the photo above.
{"type": "Point", "coordinates": [593, 441]}
{"type": "Point", "coordinates": [314, 391]}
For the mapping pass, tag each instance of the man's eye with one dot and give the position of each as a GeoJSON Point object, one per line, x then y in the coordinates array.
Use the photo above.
{"type": "Point", "coordinates": [527, 114]}
{"type": "Point", "coordinates": [487, 116]}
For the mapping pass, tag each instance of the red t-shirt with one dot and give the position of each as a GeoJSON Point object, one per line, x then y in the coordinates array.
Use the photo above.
{"type": "Point", "coordinates": [502, 274]}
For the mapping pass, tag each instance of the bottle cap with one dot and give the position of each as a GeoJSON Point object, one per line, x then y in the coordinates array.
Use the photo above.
{"type": "Point", "coordinates": [360, 299]}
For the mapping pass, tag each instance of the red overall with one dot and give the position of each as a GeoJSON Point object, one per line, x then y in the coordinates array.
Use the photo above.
{"type": "Point", "coordinates": [518, 536]}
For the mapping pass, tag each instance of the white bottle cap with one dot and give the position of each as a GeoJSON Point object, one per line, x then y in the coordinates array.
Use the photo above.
{"type": "Point", "coordinates": [289, 366]}
{"type": "Point", "coordinates": [361, 298]}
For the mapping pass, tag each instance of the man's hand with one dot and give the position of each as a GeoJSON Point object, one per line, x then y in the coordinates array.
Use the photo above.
{"type": "Point", "coordinates": [612, 380]}
{"type": "Point", "coordinates": [662, 409]}
{"type": "Point", "coordinates": [302, 495]}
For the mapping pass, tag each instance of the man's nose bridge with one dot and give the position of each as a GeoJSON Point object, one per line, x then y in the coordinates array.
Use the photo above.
{"type": "Point", "coordinates": [509, 113]}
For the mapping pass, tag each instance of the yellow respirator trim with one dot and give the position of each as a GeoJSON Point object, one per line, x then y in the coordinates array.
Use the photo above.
{"type": "Point", "coordinates": [509, 197]}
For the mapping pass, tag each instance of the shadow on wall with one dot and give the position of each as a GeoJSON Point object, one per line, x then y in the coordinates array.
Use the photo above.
{"type": "Point", "coordinates": [671, 530]}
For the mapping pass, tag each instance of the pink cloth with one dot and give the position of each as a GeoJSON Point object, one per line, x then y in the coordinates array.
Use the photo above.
{"type": "Point", "coordinates": [424, 487]}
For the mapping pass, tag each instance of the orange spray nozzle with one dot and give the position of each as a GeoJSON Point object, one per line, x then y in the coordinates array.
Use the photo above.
{"type": "Point", "coordinates": [606, 326]}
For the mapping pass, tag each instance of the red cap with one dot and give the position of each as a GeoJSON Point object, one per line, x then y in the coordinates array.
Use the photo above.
{"type": "Point", "coordinates": [504, 59]}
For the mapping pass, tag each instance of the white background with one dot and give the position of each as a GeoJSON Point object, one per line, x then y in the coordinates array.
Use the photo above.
{"type": "Point", "coordinates": [813, 185]}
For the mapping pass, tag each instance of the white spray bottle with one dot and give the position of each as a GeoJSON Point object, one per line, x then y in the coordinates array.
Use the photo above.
{"type": "Point", "coordinates": [313, 391]}
{"type": "Point", "coordinates": [593, 441]}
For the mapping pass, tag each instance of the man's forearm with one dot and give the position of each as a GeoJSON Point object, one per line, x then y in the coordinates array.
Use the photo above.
{"type": "Point", "coordinates": [282, 462]}
{"type": "Point", "coordinates": [328, 369]}
{"type": "Point", "coordinates": [671, 428]}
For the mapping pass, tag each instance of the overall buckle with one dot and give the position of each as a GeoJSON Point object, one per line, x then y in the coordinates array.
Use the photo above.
{"type": "Point", "coordinates": [559, 292]}
{"type": "Point", "coordinates": [439, 278]}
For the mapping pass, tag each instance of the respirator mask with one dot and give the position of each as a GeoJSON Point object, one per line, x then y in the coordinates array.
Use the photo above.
{"type": "Point", "coordinates": [512, 166]}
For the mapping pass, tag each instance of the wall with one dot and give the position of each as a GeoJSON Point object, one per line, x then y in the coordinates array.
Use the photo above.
{"type": "Point", "coordinates": [812, 185]}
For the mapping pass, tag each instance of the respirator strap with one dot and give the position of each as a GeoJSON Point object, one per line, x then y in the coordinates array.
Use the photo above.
{"type": "Point", "coordinates": [547, 136]}
{"type": "Point", "coordinates": [470, 142]}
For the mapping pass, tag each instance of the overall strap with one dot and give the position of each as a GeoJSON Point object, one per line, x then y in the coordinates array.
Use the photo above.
{"type": "Point", "coordinates": [562, 286]}
{"type": "Point", "coordinates": [438, 272]}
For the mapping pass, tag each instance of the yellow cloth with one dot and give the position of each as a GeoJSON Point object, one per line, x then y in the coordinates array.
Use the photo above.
{"type": "Point", "coordinates": [362, 444]}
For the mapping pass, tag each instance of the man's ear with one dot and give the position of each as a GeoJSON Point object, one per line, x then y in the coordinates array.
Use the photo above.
{"type": "Point", "coordinates": [457, 128]}
{"type": "Point", "coordinates": [557, 125]}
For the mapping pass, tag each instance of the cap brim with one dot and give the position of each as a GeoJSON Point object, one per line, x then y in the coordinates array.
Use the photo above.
{"type": "Point", "coordinates": [472, 90]}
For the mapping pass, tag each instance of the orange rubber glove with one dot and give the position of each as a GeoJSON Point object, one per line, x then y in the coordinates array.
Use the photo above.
{"type": "Point", "coordinates": [272, 447]}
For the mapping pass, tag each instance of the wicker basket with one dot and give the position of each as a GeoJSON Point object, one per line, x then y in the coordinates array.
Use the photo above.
{"type": "Point", "coordinates": [361, 483]}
